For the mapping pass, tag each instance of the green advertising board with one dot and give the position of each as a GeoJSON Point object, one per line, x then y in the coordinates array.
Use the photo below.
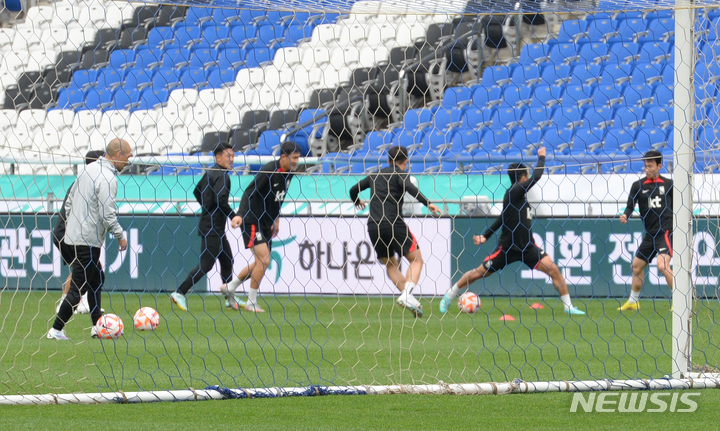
{"type": "Point", "coordinates": [594, 255]}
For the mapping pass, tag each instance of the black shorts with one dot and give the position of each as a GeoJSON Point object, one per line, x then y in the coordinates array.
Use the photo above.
{"type": "Point", "coordinates": [67, 252]}
{"type": "Point", "coordinates": [253, 235]}
{"type": "Point", "coordinates": [652, 245]}
{"type": "Point", "coordinates": [500, 258]}
{"type": "Point", "coordinates": [396, 240]}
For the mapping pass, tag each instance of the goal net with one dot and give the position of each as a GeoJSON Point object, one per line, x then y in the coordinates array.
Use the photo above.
{"type": "Point", "coordinates": [468, 88]}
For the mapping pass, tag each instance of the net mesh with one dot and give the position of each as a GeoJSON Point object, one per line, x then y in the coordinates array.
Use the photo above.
{"type": "Point", "coordinates": [466, 87]}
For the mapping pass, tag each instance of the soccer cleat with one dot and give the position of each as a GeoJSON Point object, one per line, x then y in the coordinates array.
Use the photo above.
{"type": "Point", "coordinates": [54, 334]}
{"type": "Point", "coordinates": [253, 307]}
{"type": "Point", "coordinates": [574, 311]}
{"type": "Point", "coordinates": [445, 302]}
{"type": "Point", "coordinates": [628, 306]}
{"type": "Point", "coordinates": [94, 333]}
{"type": "Point", "coordinates": [180, 300]}
{"type": "Point", "coordinates": [230, 300]}
{"type": "Point", "coordinates": [409, 302]}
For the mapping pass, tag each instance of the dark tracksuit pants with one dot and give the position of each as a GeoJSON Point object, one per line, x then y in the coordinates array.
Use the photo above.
{"type": "Point", "coordinates": [213, 248]}
{"type": "Point", "coordinates": [87, 277]}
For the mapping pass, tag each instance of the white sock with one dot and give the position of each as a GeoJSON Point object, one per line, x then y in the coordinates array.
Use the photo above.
{"type": "Point", "coordinates": [634, 297]}
{"type": "Point", "coordinates": [454, 290]}
{"type": "Point", "coordinates": [409, 286]}
{"type": "Point", "coordinates": [567, 302]}
{"type": "Point", "coordinates": [233, 284]}
{"type": "Point", "coordinates": [252, 296]}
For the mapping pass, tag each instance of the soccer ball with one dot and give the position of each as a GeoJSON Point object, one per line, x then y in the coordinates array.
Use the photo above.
{"type": "Point", "coordinates": [146, 319]}
{"type": "Point", "coordinates": [469, 303]}
{"type": "Point", "coordinates": [109, 327]}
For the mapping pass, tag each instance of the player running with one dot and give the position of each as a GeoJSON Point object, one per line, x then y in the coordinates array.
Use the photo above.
{"type": "Point", "coordinates": [654, 195]}
{"type": "Point", "coordinates": [260, 212]}
{"type": "Point", "coordinates": [516, 240]}
{"type": "Point", "coordinates": [387, 229]}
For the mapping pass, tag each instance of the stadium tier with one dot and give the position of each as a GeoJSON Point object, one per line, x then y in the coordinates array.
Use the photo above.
{"type": "Point", "coordinates": [180, 80]}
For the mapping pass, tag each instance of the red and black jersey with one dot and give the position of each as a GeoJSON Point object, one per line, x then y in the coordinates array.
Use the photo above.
{"type": "Point", "coordinates": [654, 197]}
{"type": "Point", "coordinates": [264, 196]}
{"type": "Point", "coordinates": [517, 214]}
{"type": "Point", "coordinates": [388, 188]}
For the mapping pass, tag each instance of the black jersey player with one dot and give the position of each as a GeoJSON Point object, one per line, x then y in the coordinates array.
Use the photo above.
{"type": "Point", "coordinates": [653, 194]}
{"type": "Point", "coordinates": [387, 229]}
{"type": "Point", "coordinates": [260, 211]}
{"type": "Point", "coordinates": [516, 240]}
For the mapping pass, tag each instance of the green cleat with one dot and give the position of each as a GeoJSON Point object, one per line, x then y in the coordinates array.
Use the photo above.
{"type": "Point", "coordinates": [180, 300]}
{"type": "Point", "coordinates": [445, 302]}
{"type": "Point", "coordinates": [231, 300]}
{"type": "Point", "coordinates": [572, 310]}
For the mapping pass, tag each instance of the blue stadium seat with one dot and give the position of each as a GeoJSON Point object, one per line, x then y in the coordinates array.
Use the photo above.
{"type": "Point", "coordinates": [663, 94]}
{"type": "Point", "coordinates": [578, 95]}
{"type": "Point", "coordinates": [659, 28]}
{"type": "Point", "coordinates": [204, 58]}
{"type": "Point", "coordinates": [214, 36]}
{"type": "Point", "coordinates": [84, 79]}
{"type": "Point", "coordinates": [547, 95]}
{"type": "Point", "coordinates": [587, 74]}
{"type": "Point", "coordinates": [628, 118]}
{"type": "Point", "coordinates": [217, 77]}
{"type": "Point", "coordinates": [440, 142]}
{"type": "Point", "coordinates": [646, 74]}
{"type": "Point", "coordinates": [231, 58]}
{"type": "Point", "coordinates": [534, 53]}
{"type": "Point", "coordinates": [555, 73]}
{"type": "Point", "coordinates": [158, 37]}
{"type": "Point", "coordinates": [659, 117]}
{"type": "Point", "coordinates": [587, 138]}
{"type": "Point", "coordinates": [150, 98]}
{"type": "Point", "coordinates": [455, 96]}
{"type": "Point", "coordinates": [496, 141]}
{"type": "Point", "coordinates": [379, 140]}
{"type": "Point", "coordinates": [517, 96]}
{"type": "Point", "coordinates": [194, 78]}
{"type": "Point", "coordinates": [616, 74]}
{"type": "Point", "coordinates": [526, 75]}
{"type": "Point", "coordinates": [138, 79]}
{"type": "Point", "coordinates": [420, 118]}
{"type": "Point", "coordinates": [111, 78]}
{"type": "Point", "coordinates": [196, 16]}
{"type": "Point", "coordinates": [573, 30]}
{"type": "Point", "coordinates": [477, 118]}
{"type": "Point", "coordinates": [567, 117]}
{"type": "Point", "coordinates": [186, 36]}
{"type": "Point", "coordinates": [167, 78]}
{"type": "Point", "coordinates": [656, 52]}
{"type": "Point", "coordinates": [270, 34]}
{"type": "Point", "coordinates": [175, 58]}
{"type": "Point", "coordinates": [633, 94]}
{"type": "Point", "coordinates": [240, 34]}
{"type": "Point", "coordinates": [148, 59]}
{"type": "Point", "coordinates": [447, 118]}
{"type": "Point", "coordinates": [560, 140]}
{"type": "Point", "coordinates": [257, 56]}
{"type": "Point", "coordinates": [269, 142]}
{"type": "Point", "coordinates": [496, 75]}
{"type": "Point", "coordinates": [608, 95]}
{"type": "Point", "coordinates": [599, 29]}
{"type": "Point", "coordinates": [70, 98]}
{"type": "Point", "coordinates": [538, 116]}
{"type": "Point", "coordinates": [650, 138]}
{"type": "Point", "coordinates": [97, 98]}
{"type": "Point", "coordinates": [629, 30]}
{"type": "Point", "coordinates": [625, 167]}
{"type": "Point", "coordinates": [564, 53]}
{"type": "Point", "coordinates": [296, 33]}
{"type": "Point", "coordinates": [410, 139]}
{"type": "Point", "coordinates": [485, 96]}
{"type": "Point", "coordinates": [122, 59]}
{"type": "Point", "coordinates": [594, 52]}
{"type": "Point", "coordinates": [508, 117]}
{"type": "Point", "coordinates": [528, 140]}
{"type": "Point", "coordinates": [224, 16]}
{"type": "Point", "coordinates": [619, 141]}
{"type": "Point", "coordinates": [122, 99]}
{"type": "Point", "coordinates": [623, 52]}
{"type": "Point", "coordinates": [598, 117]}
{"type": "Point", "coordinates": [468, 139]}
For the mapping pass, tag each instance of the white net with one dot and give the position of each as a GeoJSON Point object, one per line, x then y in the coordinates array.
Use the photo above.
{"type": "Point", "coordinates": [468, 88]}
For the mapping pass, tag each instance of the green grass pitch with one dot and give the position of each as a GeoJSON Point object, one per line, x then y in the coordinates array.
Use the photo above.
{"type": "Point", "coordinates": [338, 341]}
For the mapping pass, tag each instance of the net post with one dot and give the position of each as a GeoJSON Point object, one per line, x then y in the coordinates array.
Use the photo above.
{"type": "Point", "coordinates": [684, 112]}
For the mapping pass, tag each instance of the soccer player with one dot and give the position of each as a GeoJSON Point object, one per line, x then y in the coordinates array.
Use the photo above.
{"type": "Point", "coordinates": [654, 195]}
{"type": "Point", "coordinates": [260, 211]}
{"type": "Point", "coordinates": [212, 193]}
{"type": "Point", "coordinates": [92, 213]}
{"type": "Point", "coordinates": [387, 229]}
{"type": "Point", "coordinates": [66, 250]}
{"type": "Point", "coordinates": [516, 240]}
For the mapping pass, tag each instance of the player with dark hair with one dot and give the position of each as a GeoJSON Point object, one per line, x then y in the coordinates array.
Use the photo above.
{"type": "Point", "coordinates": [212, 193]}
{"type": "Point", "coordinates": [654, 195]}
{"type": "Point", "coordinates": [516, 240]}
{"type": "Point", "coordinates": [259, 217]}
{"type": "Point", "coordinates": [387, 229]}
{"type": "Point", "coordinates": [66, 251]}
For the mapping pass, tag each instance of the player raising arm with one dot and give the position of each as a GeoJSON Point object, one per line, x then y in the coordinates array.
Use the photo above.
{"type": "Point", "coordinates": [387, 229]}
{"type": "Point", "coordinates": [654, 195]}
{"type": "Point", "coordinates": [516, 240]}
{"type": "Point", "coordinates": [260, 211]}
